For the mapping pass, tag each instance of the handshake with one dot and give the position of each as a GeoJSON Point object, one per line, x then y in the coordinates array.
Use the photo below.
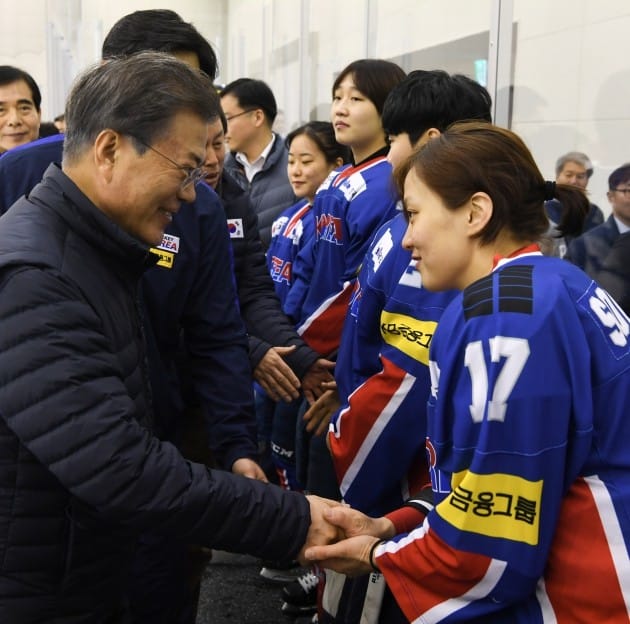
{"type": "Point", "coordinates": [341, 538]}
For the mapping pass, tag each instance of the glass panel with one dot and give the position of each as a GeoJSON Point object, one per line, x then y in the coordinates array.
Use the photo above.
{"type": "Point", "coordinates": [572, 84]}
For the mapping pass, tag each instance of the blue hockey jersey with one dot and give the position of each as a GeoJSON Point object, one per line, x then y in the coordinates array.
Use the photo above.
{"type": "Point", "coordinates": [382, 376]}
{"type": "Point", "coordinates": [289, 233]}
{"type": "Point", "coordinates": [350, 205]}
{"type": "Point", "coordinates": [527, 443]}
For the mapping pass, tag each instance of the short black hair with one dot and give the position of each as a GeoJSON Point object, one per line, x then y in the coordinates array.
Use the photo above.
{"type": "Point", "coordinates": [619, 176]}
{"type": "Point", "coordinates": [9, 74]}
{"type": "Point", "coordinates": [433, 99]}
{"type": "Point", "coordinates": [252, 94]}
{"type": "Point", "coordinates": [160, 30]}
{"type": "Point", "coordinates": [375, 78]}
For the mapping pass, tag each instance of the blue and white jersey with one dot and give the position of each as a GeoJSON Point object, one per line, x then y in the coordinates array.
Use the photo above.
{"type": "Point", "coordinates": [349, 207]}
{"type": "Point", "coordinates": [377, 437]}
{"type": "Point", "coordinates": [289, 233]}
{"type": "Point", "coordinates": [527, 441]}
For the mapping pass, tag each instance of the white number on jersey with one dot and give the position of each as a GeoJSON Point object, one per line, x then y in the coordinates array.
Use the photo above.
{"type": "Point", "coordinates": [515, 351]}
{"type": "Point", "coordinates": [611, 316]}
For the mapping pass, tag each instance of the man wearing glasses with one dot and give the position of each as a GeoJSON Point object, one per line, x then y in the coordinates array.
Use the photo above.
{"type": "Point", "coordinates": [258, 156]}
{"type": "Point", "coordinates": [82, 475]}
{"type": "Point", "coordinates": [188, 306]}
{"type": "Point", "coordinates": [590, 250]}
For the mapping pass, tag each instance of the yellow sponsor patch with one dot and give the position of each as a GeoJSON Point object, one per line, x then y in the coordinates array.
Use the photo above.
{"type": "Point", "coordinates": [408, 335]}
{"type": "Point", "coordinates": [165, 257]}
{"type": "Point", "coordinates": [497, 505]}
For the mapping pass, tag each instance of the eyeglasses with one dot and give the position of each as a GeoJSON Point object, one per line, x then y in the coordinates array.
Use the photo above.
{"type": "Point", "coordinates": [192, 174]}
{"type": "Point", "coordinates": [250, 110]}
{"type": "Point", "coordinates": [625, 191]}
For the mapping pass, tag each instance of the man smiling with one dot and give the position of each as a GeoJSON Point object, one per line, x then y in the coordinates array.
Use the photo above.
{"type": "Point", "coordinates": [20, 112]}
{"type": "Point", "coordinates": [82, 476]}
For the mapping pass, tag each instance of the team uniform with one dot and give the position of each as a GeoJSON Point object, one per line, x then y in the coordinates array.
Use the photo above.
{"type": "Point", "coordinates": [350, 205]}
{"type": "Point", "coordinates": [528, 452]}
{"type": "Point", "coordinates": [289, 233]}
{"type": "Point", "coordinates": [383, 378]}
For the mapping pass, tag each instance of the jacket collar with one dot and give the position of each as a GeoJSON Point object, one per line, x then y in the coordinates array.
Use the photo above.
{"type": "Point", "coordinates": [59, 193]}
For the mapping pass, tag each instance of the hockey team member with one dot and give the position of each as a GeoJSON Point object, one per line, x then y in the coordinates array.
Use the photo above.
{"type": "Point", "coordinates": [382, 367]}
{"type": "Point", "coordinates": [349, 206]}
{"type": "Point", "coordinates": [313, 154]}
{"type": "Point", "coordinates": [527, 420]}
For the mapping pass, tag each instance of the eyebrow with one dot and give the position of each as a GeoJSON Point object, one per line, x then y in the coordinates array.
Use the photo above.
{"type": "Point", "coordinates": [20, 101]}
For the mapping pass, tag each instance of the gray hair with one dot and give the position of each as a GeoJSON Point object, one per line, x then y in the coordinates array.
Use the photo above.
{"type": "Point", "coordinates": [577, 157]}
{"type": "Point", "coordinates": [137, 96]}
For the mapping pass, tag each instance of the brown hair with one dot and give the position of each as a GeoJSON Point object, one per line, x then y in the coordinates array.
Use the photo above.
{"type": "Point", "coordinates": [476, 156]}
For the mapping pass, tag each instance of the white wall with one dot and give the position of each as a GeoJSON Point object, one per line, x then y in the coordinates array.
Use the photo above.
{"type": "Point", "coordinates": [23, 42]}
{"type": "Point", "coordinates": [572, 83]}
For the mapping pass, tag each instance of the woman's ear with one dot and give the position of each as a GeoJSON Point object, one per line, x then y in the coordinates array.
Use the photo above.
{"type": "Point", "coordinates": [479, 212]}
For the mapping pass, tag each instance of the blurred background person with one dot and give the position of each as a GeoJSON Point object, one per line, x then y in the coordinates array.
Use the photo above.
{"type": "Point", "coordinates": [258, 156]}
{"type": "Point", "coordinates": [20, 108]}
{"type": "Point", "coordinates": [575, 169]}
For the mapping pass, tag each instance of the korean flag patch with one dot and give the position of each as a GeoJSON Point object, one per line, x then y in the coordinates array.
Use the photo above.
{"type": "Point", "coordinates": [235, 228]}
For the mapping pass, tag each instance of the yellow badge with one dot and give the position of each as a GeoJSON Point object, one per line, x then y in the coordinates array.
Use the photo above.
{"type": "Point", "coordinates": [165, 257]}
{"type": "Point", "coordinates": [497, 505]}
{"type": "Point", "coordinates": [408, 335]}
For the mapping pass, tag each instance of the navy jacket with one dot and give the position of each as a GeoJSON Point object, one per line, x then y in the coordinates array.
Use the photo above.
{"type": "Point", "coordinates": [589, 250]}
{"type": "Point", "coordinates": [191, 299]}
{"type": "Point", "coordinates": [614, 275]}
{"type": "Point", "coordinates": [80, 474]}
{"type": "Point", "coordinates": [265, 321]}
{"type": "Point", "coordinates": [594, 217]}
{"type": "Point", "coordinates": [269, 190]}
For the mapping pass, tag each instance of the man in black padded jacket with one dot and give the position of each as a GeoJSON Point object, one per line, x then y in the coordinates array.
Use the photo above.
{"type": "Point", "coordinates": [82, 475]}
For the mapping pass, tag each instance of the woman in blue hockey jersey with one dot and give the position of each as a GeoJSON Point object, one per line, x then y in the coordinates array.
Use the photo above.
{"type": "Point", "coordinates": [527, 419]}
{"type": "Point", "coordinates": [349, 207]}
{"type": "Point", "coordinates": [313, 154]}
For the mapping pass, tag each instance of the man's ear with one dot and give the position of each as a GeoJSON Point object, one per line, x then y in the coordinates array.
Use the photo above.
{"type": "Point", "coordinates": [106, 151]}
{"type": "Point", "coordinates": [479, 210]}
{"type": "Point", "coordinates": [259, 117]}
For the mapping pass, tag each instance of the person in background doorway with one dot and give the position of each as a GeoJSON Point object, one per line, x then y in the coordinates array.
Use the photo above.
{"type": "Point", "coordinates": [614, 274]}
